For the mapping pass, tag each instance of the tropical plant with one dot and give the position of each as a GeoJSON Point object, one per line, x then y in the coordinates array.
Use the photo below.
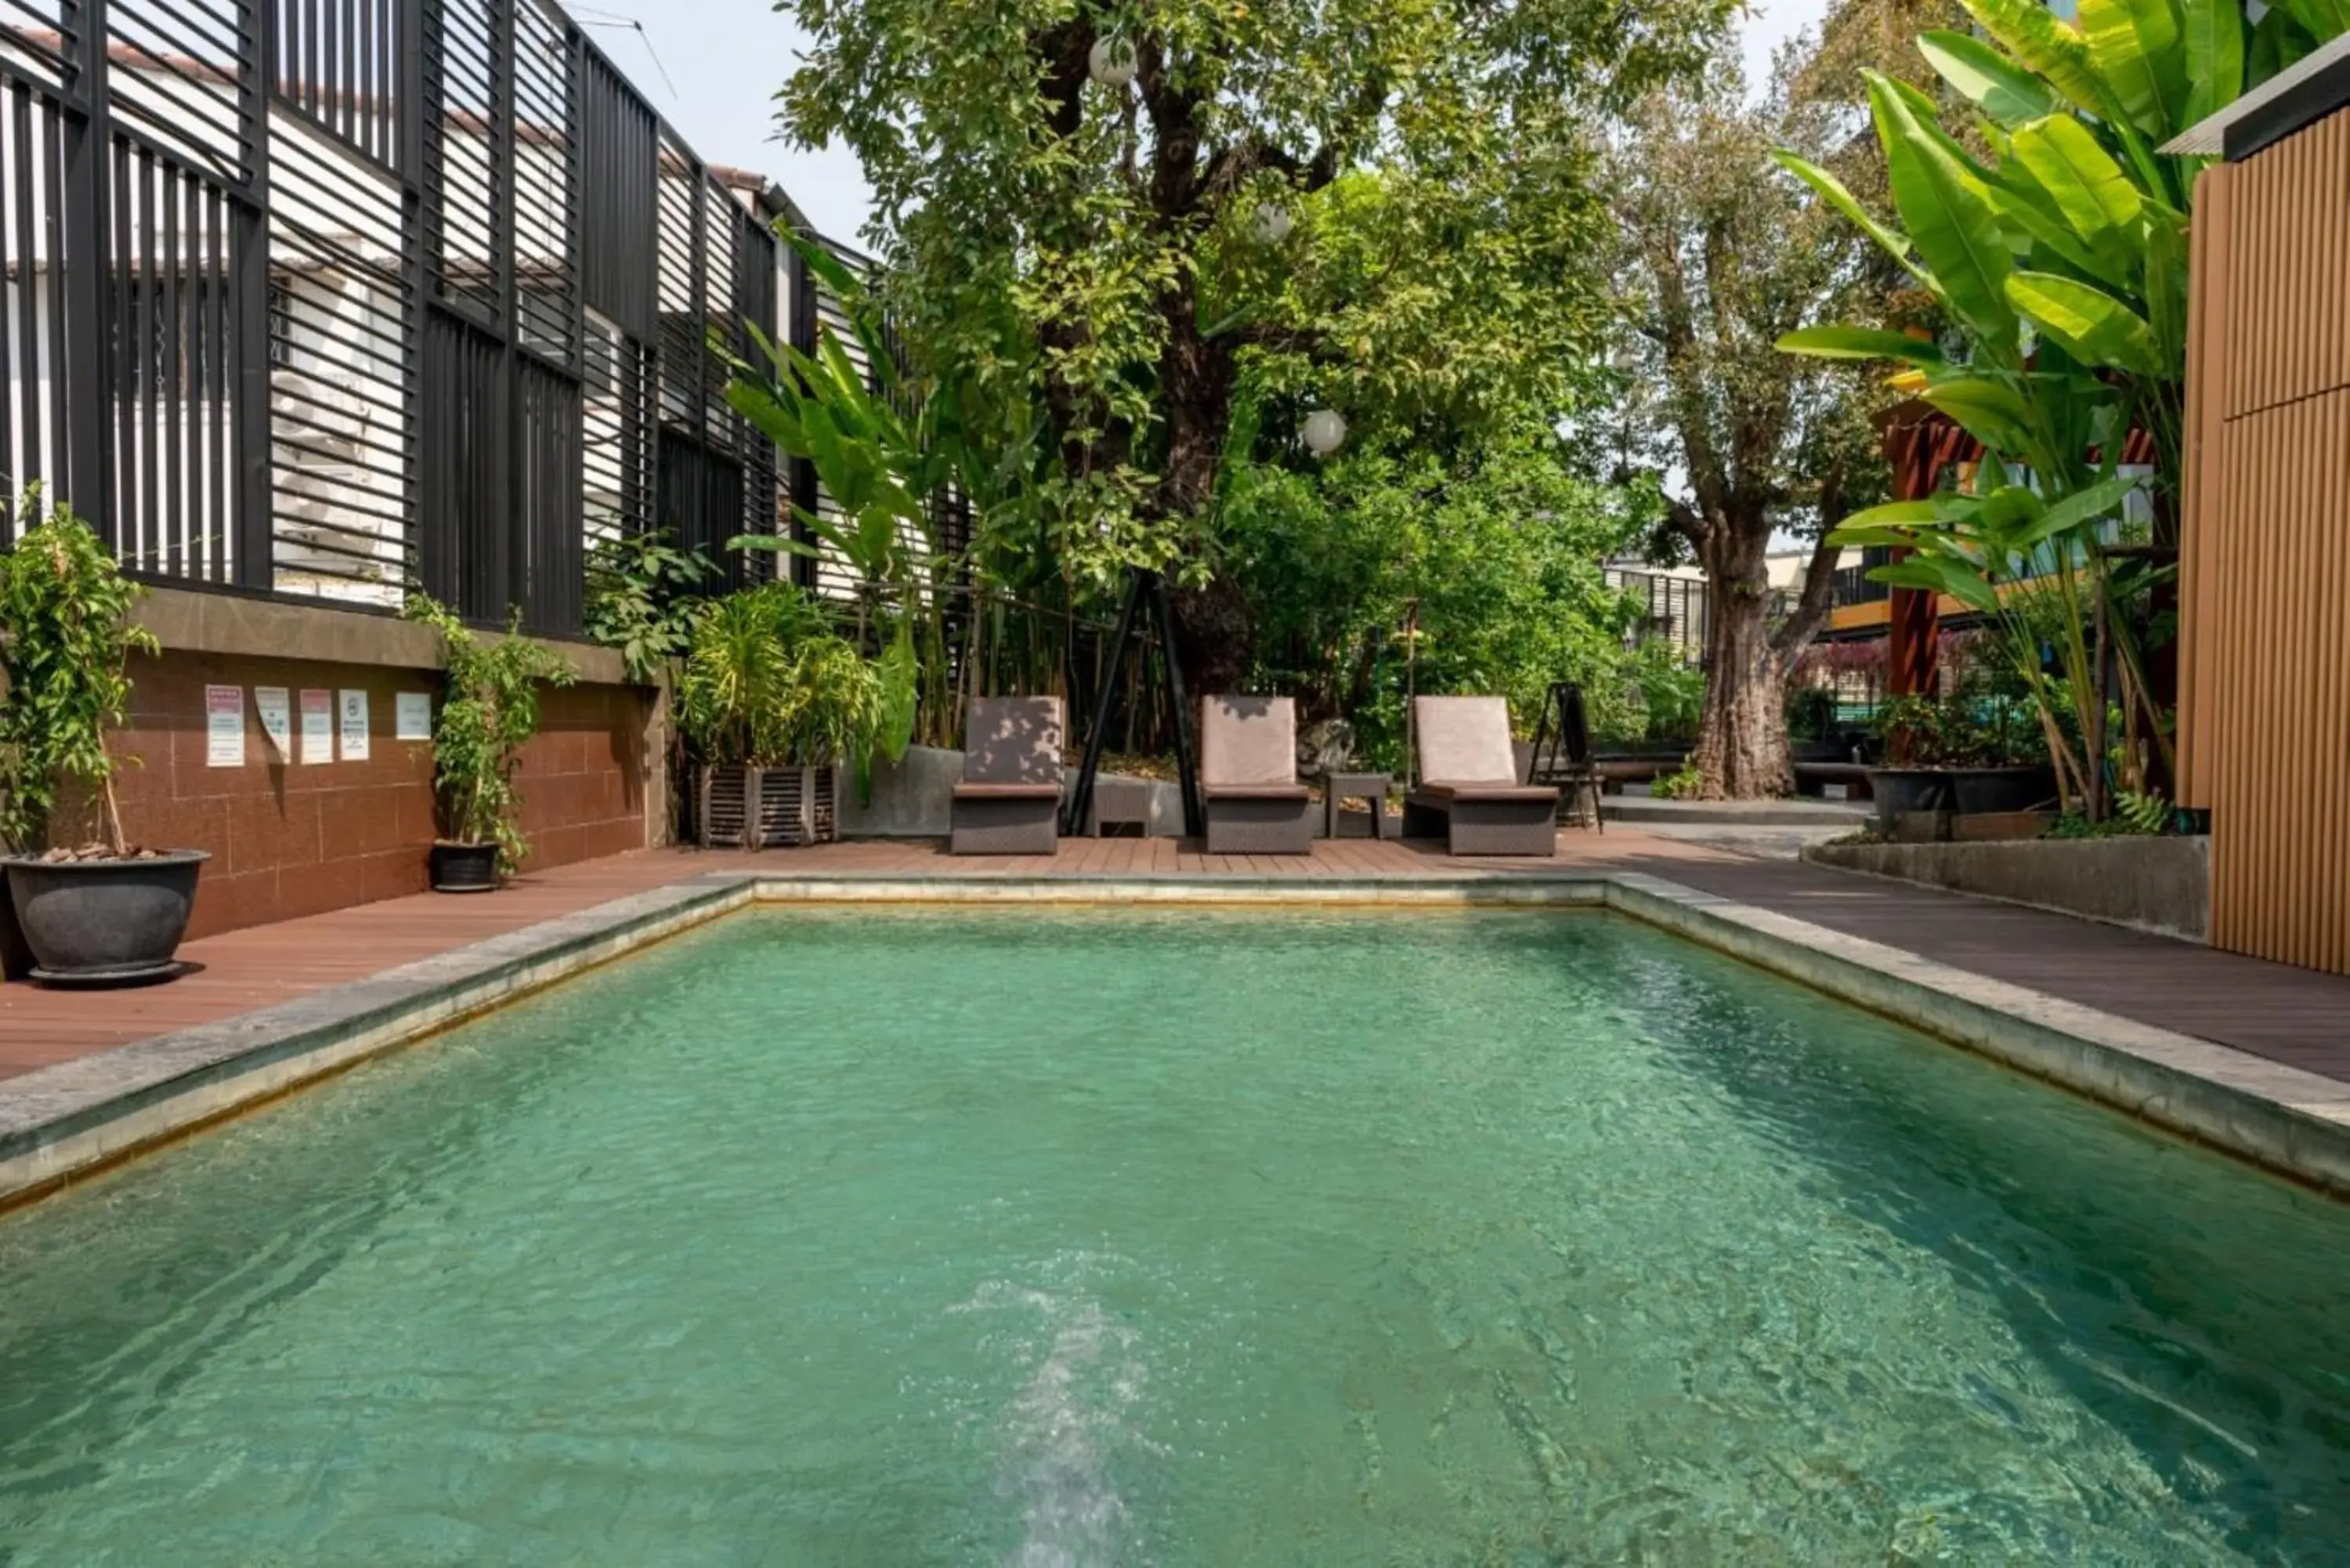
{"type": "Point", "coordinates": [66, 640]}
{"type": "Point", "coordinates": [2030, 567]}
{"type": "Point", "coordinates": [768, 684]}
{"type": "Point", "coordinates": [2060, 260]}
{"type": "Point", "coordinates": [642, 594]}
{"type": "Point", "coordinates": [489, 711]}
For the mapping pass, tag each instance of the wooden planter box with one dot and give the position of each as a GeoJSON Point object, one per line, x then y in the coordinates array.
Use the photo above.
{"type": "Point", "coordinates": [739, 807]}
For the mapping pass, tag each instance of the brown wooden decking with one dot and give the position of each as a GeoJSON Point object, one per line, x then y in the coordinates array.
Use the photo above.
{"type": "Point", "coordinates": [2286, 1014]}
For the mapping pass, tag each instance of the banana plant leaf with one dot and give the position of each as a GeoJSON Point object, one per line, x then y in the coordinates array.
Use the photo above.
{"type": "Point", "coordinates": [2009, 93]}
{"type": "Point", "coordinates": [2139, 50]}
{"type": "Point", "coordinates": [1834, 192]}
{"type": "Point", "coordinates": [1861, 343]}
{"type": "Point", "coordinates": [1951, 221]}
{"type": "Point", "coordinates": [2094, 327]}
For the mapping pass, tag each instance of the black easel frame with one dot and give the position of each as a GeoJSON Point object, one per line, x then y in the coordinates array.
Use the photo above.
{"type": "Point", "coordinates": [1141, 585]}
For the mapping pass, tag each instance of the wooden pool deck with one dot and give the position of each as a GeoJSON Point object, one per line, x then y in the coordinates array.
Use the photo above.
{"type": "Point", "coordinates": [2288, 1016]}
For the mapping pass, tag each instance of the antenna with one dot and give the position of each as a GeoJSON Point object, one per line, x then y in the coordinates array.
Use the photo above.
{"type": "Point", "coordinates": [592, 19]}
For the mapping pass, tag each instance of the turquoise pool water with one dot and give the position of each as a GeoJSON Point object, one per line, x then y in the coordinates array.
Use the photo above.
{"type": "Point", "coordinates": [1176, 1237]}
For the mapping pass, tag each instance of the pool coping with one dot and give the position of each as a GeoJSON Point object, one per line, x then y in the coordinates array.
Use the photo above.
{"type": "Point", "coordinates": [63, 1123]}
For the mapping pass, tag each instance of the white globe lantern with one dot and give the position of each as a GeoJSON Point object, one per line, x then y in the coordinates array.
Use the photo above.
{"type": "Point", "coordinates": [1325, 431]}
{"type": "Point", "coordinates": [1112, 62]}
{"type": "Point", "coordinates": [1272, 223]}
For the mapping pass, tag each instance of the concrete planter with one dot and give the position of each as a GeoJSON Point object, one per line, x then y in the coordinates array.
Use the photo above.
{"type": "Point", "coordinates": [2159, 885]}
{"type": "Point", "coordinates": [99, 922]}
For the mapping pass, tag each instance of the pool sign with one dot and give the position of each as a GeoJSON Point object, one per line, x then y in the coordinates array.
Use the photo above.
{"type": "Point", "coordinates": [318, 727]}
{"type": "Point", "coordinates": [276, 706]}
{"type": "Point", "coordinates": [412, 716]}
{"type": "Point", "coordinates": [224, 726]}
{"type": "Point", "coordinates": [355, 726]}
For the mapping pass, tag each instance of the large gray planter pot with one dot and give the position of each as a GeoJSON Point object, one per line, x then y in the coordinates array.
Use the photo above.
{"type": "Point", "coordinates": [1990, 792]}
{"type": "Point", "coordinates": [95, 922]}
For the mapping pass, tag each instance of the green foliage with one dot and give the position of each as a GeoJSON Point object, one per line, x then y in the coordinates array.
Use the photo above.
{"type": "Point", "coordinates": [66, 640]}
{"type": "Point", "coordinates": [768, 684]}
{"type": "Point", "coordinates": [2134, 816]}
{"type": "Point", "coordinates": [1814, 713]}
{"type": "Point", "coordinates": [1096, 255]}
{"type": "Point", "coordinates": [2031, 567]}
{"type": "Point", "coordinates": [2064, 262]}
{"type": "Point", "coordinates": [642, 593]}
{"type": "Point", "coordinates": [1671, 689]}
{"type": "Point", "coordinates": [2074, 233]}
{"type": "Point", "coordinates": [489, 711]}
{"type": "Point", "coordinates": [1683, 784]}
{"type": "Point", "coordinates": [1495, 555]}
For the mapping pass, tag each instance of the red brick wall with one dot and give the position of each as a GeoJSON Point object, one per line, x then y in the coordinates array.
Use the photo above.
{"type": "Point", "coordinates": [290, 839]}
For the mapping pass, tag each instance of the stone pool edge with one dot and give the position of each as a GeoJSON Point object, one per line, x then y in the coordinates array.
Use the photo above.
{"type": "Point", "coordinates": [60, 1123]}
{"type": "Point", "coordinates": [64, 1122]}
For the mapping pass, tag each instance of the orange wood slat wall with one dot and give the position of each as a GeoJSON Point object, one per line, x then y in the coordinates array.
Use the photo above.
{"type": "Point", "coordinates": [2265, 667]}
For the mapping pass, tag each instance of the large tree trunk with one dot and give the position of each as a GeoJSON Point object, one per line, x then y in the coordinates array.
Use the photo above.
{"type": "Point", "coordinates": [1217, 628]}
{"type": "Point", "coordinates": [1741, 746]}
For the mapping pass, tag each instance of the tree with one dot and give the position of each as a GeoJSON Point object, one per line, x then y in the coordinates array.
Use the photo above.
{"type": "Point", "coordinates": [1493, 556]}
{"type": "Point", "coordinates": [1138, 238]}
{"type": "Point", "coordinates": [1722, 257]}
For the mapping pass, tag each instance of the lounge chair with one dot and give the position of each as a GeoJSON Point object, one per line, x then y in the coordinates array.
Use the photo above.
{"type": "Point", "coordinates": [1248, 774]}
{"type": "Point", "coordinates": [1009, 802]}
{"type": "Point", "coordinates": [1469, 790]}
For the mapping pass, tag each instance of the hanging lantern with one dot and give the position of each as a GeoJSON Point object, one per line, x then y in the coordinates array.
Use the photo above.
{"type": "Point", "coordinates": [1272, 223]}
{"type": "Point", "coordinates": [1112, 62]}
{"type": "Point", "coordinates": [1325, 431]}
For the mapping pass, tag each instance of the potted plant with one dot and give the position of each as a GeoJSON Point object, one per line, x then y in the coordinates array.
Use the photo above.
{"type": "Point", "coordinates": [489, 710]}
{"type": "Point", "coordinates": [1971, 752]}
{"type": "Point", "coordinates": [772, 702]}
{"type": "Point", "coordinates": [91, 908]}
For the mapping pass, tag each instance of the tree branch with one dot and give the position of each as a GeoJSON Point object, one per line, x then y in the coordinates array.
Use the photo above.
{"type": "Point", "coordinates": [1819, 577]}
{"type": "Point", "coordinates": [1066, 52]}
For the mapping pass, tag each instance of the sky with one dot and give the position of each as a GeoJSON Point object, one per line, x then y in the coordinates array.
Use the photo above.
{"type": "Point", "coordinates": [726, 58]}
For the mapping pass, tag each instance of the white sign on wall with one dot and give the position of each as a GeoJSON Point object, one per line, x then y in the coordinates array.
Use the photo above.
{"type": "Point", "coordinates": [411, 717]}
{"type": "Point", "coordinates": [224, 726]}
{"type": "Point", "coordinates": [355, 726]}
{"type": "Point", "coordinates": [318, 727]}
{"type": "Point", "coordinates": [276, 706]}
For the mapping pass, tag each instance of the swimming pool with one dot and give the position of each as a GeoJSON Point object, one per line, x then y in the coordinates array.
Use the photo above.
{"type": "Point", "coordinates": [1177, 1237]}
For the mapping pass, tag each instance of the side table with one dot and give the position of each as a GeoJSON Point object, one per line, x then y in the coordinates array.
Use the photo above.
{"type": "Point", "coordinates": [1371, 787]}
{"type": "Point", "coordinates": [1118, 803]}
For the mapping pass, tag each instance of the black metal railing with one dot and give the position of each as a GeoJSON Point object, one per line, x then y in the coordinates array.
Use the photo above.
{"type": "Point", "coordinates": [322, 298]}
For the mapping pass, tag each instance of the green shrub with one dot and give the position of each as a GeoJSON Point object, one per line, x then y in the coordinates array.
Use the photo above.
{"type": "Point", "coordinates": [489, 711]}
{"type": "Point", "coordinates": [767, 683]}
{"type": "Point", "coordinates": [66, 640]}
{"type": "Point", "coordinates": [1686, 784]}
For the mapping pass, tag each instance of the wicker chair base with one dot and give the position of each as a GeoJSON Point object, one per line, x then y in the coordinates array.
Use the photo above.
{"type": "Point", "coordinates": [1243, 826]}
{"type": "Point", "coordinates": [1013, 826]}
{"type": "Point", "coordinates": [1484, 827]}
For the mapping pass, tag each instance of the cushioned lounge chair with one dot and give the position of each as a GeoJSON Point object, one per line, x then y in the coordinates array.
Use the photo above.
{"type": "Point", "coordinates": [1248, 774]}
{"type": "Point", "coordinates": [1470, 791]}
{"type": "Point", "coordinates": [1009, 802]}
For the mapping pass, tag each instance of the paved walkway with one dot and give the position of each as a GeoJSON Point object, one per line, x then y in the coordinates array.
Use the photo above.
{"type": "Point", "coordinates": [2285, 1014]}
